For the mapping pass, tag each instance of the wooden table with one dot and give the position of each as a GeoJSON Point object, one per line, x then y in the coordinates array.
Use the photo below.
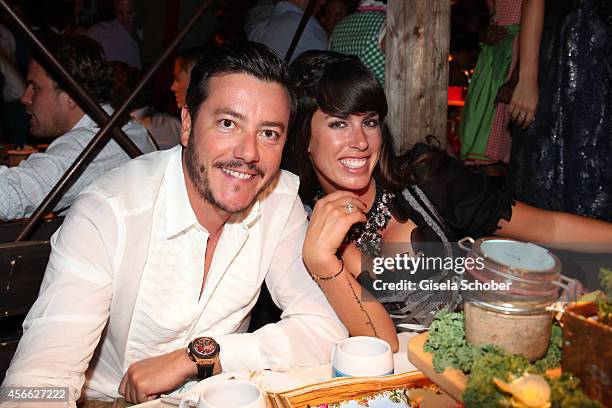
{"type": "Point", "coordinates": [307, 375]}
{"type": "Point", "coordinates": [451, 380]}
{"type": "Point", "coordinates": [9, 160]}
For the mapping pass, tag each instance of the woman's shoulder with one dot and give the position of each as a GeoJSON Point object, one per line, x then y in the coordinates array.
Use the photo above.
{"type": "Point", "coordinates": [418, 150]}
{"type": "Point", "coordinates": [468, 202]}
{"type": "Point", "coordinates": [423, 162]}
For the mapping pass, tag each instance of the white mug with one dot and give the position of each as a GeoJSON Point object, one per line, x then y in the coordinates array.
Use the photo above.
{"type": "Point", "coordinates": [362, 356]}
{"type": "Point", "coordinates": [227, 394]}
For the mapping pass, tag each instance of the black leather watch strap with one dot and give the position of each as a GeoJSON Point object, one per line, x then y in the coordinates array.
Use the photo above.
{"type": "Point", "coordinates": [205, 371]}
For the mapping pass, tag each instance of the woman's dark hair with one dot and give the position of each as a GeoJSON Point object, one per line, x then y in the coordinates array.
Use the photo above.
{"type": "Point", "coordinates": [337, 84]}
{"type": "Point", "coordinates": [238, 57]}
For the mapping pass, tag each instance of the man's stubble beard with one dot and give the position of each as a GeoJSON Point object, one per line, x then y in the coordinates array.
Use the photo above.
{"type": "Point", "coordinates": [197, 172]}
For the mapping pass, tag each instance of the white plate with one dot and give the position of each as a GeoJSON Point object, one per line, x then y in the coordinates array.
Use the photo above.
{"type": "Point", "coordinates": [270, 381]}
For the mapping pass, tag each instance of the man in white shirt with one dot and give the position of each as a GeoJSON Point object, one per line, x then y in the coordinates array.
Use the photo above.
{"type": "Point", "coordinates": [55, 114]}
{"type": "Point", "coordinates": [158, 264]}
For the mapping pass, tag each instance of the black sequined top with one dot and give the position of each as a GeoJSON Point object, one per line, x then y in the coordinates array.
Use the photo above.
{"type": "Point", "coordinates": [454, 203]}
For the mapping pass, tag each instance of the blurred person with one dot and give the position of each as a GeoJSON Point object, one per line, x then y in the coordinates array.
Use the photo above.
{"type": "Point", "coordinates": [158, 264]}
{"type": "Point", "coordinates": [362, 34]}
{"type": "Point", "coordinates": [56, 115]}
{"type": "Point", "coordinates": [260, 11]}
{"type": "Point", "coordinates": [183, 64]}
{"type": "Point", "coordinates": [334, 11]}
{"type": "Point", "coordinates": [165, 129]}
{"type": "Point", "coordinates": [278, 30]}
{"type": "Point", "coordinates": [562, 161]}
{"type": "Point", "coordinates": [14, 120]}
{"type": "Point", "coordinates": [504, 87]}
{"type": "Point", "coordinates": [119, 37]}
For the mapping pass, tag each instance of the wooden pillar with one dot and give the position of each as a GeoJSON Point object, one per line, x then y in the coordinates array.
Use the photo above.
{"type": "Point", "coordinates": [416, 73]}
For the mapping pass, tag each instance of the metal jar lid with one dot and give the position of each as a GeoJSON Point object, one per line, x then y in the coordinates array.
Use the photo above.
{"type": "Point", "coordinates": [534, 274]}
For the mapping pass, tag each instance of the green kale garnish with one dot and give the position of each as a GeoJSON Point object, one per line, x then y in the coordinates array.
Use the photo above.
{"type": "Point", "coordinates": [566, 393]}
{"type": "Point", "coordinates": [552, 358]}
{"type": "Point", "coordinates": [604, 300]}
{"type": "Point", "coordinates": [450, 348]}
{"type": "Point", "coordinates": [447, 343]}
{"type": "Point", "coordinates": [480, 391]}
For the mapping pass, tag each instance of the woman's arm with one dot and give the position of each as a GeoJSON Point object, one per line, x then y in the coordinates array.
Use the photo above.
{"type": "Point", "coordinates": [358, 311]}
{"type": "Point", "coordinates": [557, 229]}
{"type": "Point", "coordinates": [526, 93]}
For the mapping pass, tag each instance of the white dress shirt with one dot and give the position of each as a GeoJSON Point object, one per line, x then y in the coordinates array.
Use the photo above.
{"type": "Point", "coordinates": [23, 188]}
{"type": "Point", "coordinates": [126, 270]}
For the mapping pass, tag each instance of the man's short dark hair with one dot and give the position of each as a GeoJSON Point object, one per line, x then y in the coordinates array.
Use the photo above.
{"type": "Point", "coordinates": [239, 57]}
{"type": "Point", "coordinates": [83, 58]}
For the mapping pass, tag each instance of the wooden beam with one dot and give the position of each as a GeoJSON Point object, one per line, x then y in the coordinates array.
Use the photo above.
{"type": "Point", "coordinates": [416, 74]}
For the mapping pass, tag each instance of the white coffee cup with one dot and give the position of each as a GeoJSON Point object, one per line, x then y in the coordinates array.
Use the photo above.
{"type": "Point", "coordinates": [227, 394]}
{"type": "Point", "coordinates": [362, 356]}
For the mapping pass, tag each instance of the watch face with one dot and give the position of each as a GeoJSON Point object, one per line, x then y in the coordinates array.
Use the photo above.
{"type": "Point", "coordinates": [204, 347]}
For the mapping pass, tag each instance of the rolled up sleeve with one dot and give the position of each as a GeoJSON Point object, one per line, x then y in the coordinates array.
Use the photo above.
{"type": "Point", "coordinates": [64, 325]}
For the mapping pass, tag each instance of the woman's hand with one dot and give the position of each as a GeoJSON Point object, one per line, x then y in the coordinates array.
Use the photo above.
{"type": "Point", "coordinates": [524, 102]}
{"type": "Point", "coordinates": [332, 217]}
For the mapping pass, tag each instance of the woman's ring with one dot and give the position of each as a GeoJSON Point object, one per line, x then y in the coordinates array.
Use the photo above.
{"type": "Point", "coordinates": [349, 208]}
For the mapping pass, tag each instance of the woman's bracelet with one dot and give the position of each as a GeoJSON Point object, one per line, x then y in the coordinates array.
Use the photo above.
{"type": "Point", "coordinates": [329, 277]}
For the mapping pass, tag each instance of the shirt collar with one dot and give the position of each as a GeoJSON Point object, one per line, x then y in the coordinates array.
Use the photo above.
{"type": "Point", "coordinates": [179, 214]}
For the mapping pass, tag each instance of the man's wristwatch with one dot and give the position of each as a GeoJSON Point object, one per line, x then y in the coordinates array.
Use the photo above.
{"type": "Point", "coordinates": [204, 351]}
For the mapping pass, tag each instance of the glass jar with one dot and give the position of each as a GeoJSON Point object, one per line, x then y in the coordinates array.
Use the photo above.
{"type": "Point", "coordinates": [524, 281]}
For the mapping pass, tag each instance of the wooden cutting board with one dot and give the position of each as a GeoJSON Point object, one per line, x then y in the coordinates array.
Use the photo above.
{"type": "Point", "coordinates": [451, 380]}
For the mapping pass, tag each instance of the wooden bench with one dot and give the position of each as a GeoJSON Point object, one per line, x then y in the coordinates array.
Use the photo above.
{"type": "Point", "coordinates": [10, 230]}
{"type": "Point", "coordinates": [22, 267]}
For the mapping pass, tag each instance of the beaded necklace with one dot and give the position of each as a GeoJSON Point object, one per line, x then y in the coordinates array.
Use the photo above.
{"type": "Point", "coordinates": [366, 235]}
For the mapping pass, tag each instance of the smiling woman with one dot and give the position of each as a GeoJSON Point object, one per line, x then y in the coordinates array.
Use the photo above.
{"type": "Point", "coordinates": [355, 140]}
{"type": "Point", "coordinates": [364, 196]}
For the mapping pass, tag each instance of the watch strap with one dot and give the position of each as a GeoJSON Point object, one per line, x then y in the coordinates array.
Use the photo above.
{"type": "Point", "coordinates": [205, 371]}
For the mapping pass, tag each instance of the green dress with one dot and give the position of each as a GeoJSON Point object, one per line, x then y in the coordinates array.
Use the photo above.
{"type": "Point", "coordinates": [489, 75]}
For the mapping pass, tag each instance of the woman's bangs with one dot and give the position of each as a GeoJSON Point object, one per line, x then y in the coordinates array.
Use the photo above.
{"type": "Point", "coordinates": [347, 90]}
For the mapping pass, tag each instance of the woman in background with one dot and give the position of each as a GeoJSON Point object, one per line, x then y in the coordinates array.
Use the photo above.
{"type": "Point", "coordinates": [562, 161]}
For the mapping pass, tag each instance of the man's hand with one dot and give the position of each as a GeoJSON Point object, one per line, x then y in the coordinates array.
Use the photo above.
{"type": "Point", "coordinates": [146, 379]}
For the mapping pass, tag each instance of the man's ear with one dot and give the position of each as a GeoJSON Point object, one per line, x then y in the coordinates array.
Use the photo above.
{"type": "Point", "coordinates": [186, 125]}
{"type": "Point", "coordinates": [70, 103]}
